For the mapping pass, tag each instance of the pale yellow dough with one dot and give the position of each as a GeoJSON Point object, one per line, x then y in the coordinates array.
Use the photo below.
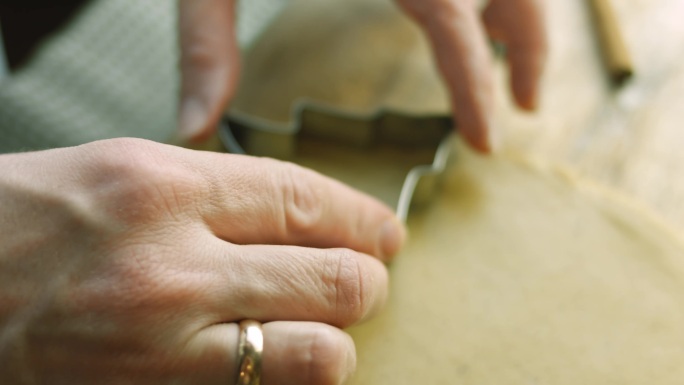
{"type": "Point", "coordinates": [517, 273]}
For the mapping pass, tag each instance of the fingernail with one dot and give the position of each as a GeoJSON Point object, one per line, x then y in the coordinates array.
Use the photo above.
{"type": "Point", "coordinates": [392, 236]}
{"type": "Point", "coordinates": [494, 139]}
{"type": "Point", "coordinates": [193, 115]}
{"type": "Point", "coordinates": [533, 102]}
{"type": "Point", "coordinates": [528, 102]}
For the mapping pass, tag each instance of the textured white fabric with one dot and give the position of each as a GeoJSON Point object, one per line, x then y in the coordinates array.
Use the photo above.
{"type": "Point", "coordinates": [3, 60]}
{"type": "Point", "coordinates": [111, 72]}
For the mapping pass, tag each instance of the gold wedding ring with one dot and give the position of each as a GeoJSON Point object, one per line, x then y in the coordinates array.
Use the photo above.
{"type": "Point", "coordinates": [250, 347]}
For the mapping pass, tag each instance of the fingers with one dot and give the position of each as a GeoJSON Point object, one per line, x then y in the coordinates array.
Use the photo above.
{"type": "Point", "coordinates": [295, 353]}
{"type": "Point", "coordinates": [458, 40]}
{"type": "Point", "coordinates": [519, 24]}
{"type": "Point", "coordinates": [264, 201]}
{"type": "Point", "coordinates": [307, 353]}
{"type": "Point", "coordinates": [339, 287]}
{"type": "Point", "coordinates": [209, 64]}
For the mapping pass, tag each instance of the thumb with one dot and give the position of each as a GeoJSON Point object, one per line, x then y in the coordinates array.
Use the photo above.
{"type": "Point", "coordinates": [209, 65]}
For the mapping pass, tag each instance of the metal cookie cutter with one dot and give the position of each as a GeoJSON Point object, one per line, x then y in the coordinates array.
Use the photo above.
{"type": "Point", "coordinates": [247, 134]}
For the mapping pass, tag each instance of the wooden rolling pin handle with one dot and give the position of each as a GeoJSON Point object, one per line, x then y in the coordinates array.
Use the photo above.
{"type": "Point", "coordinates": [615, 54]}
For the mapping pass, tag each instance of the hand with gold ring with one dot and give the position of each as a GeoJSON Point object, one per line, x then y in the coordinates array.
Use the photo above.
{"type": "Point", "coordinates": [127, 261]}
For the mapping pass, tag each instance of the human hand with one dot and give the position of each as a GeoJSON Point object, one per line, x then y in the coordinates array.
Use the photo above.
{"type": "Point", "coordinates": [456, 33]}
{"type": "Point", "coordinates": [210, 58]}
{"type": "Point", "coordinates": [127, 261]}
{"type": "Point", "coordinates": [210, 61]}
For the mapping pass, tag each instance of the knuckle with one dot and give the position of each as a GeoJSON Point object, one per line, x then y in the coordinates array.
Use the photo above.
{"type": "Point", "coordinates": [201, 56]}
{"type": "Point", "coordinates": [325, 358]}
{"type": "Point", "coordinates": [302, 206]}
{"type": "Point", "coordinates": [138, 182]}
{"type": "Point", "coordinates": [348, 284]}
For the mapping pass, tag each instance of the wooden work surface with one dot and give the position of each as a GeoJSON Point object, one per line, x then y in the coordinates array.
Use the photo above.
{"type": "Point", "coordinates": [628, 138]}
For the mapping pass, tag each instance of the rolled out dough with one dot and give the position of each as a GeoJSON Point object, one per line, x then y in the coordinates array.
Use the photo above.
{"type": "Point", "coordinates": [519, 275]}
{"type": "Point", "coordinates": [516, 273]}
